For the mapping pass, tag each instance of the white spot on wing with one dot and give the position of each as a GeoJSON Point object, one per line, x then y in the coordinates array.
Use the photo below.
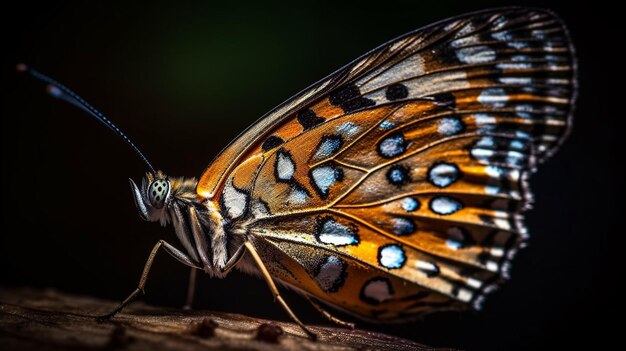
{"type": "Point", "coordinates": [427, 267]}
{"type": "Point", "coordinates": [377, 290]}
{"type": "Point", "coordinates": [328, 147]}
{"type": "Point", "coordinates": [444, 205]}
{"type": "Point", "coordinates": [514, 65]}
{"type": "Point", "coordinates": [443, 174]}
{"type": "Point", "coordinates": [464, 295]}
{"type": "Point", "coordinates": [475, 54]}
{"type": "Point", "coordinates": [385, 125]}
{"type": "Point", "coordinates": [495, 97]}
{"type": "Point", "coordinates": [235, 201]}
{"type": "Point", "coordinates": [336, 234]}
{"type": "Point", "coordinates": [474, 283]}
{"type": "Point", "coordinates": [492, 266]}
{"type": "Point", "coordinates": [486, 141]}
{"type": "Point", "coordinates": [497, 251]}
{"type": "Point", "coordinates": [324, 177]}
{"type": "Point", "coordinates": [453, 244]}
{"type": "Point", "coordinates": [492, 189]}
{"type": "Point", "coordinates": [392, 146]}
{"type": "Point", "coordinates": [517, 44]}
{"type": "Point", "coordinates": [484, 121]}
{"type": "Point", "coordinates": [482, 155]}
{"type": "Point", "coordinates": [409, 204]}
{"type": "Point", "coordinates": [515, 80]}
{"type": "Point", "coordinates": [502, 36]}
{"type": "Point", "coordinates": [284, 166]}
{"type": "Point", "coordinates": [298, 197]}
{"type": "Point", "coordinates": [347, 128]}
{"type": "Point", "coordinates": [494, 171]}
{"type": "Point", "coordinates": [450, 126]}
{"type": "Point", "coordinates": [259, 209]}
{"type": "Point", "coordinates": [392, 256]}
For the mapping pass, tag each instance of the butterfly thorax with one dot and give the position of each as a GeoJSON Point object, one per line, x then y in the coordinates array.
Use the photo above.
{"type": "Point", "coordinates": [197, 221]}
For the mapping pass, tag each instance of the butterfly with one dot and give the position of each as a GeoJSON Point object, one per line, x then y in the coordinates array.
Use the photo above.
{"type": "Point", "coordinates": [392, 188]}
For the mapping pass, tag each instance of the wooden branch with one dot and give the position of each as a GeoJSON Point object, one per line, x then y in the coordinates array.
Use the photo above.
{"type": "Point", "coordinates": [50, 320]}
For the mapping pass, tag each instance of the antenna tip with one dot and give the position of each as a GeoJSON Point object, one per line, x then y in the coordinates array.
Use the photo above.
{"type": "Point", "coordinates": [21, 67]}
{"type": "Point", "coordinates": [54, 91]}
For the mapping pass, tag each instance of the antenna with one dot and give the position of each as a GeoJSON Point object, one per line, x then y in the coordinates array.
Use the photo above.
{"type": "Point", "coordinates": [62, 92]}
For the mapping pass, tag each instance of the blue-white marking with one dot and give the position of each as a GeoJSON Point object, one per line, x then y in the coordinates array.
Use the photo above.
{"type": "Point", "coordinates": [450, 126]}
{"type": "Point", "coordinates": [259, 209]}
{"type": "Point", "coordinates": [464, 295]}
{"type": "Point", "coordinates": [514, 158]}
{"type": "Point", "coordinates": [336, 234]}
{"type": "Point", "coordinates": [515, 80]}
{"type": "Point", "coordinates": [520, 58]}
{"type": "Point", "coordinates": [409, 204]}
{"type": "Point", "coordinates": [324, 177]}
{"type": "Point", "coordinates": [427, 267]}
{"type": "Point", "coordinates": [485, 122]}
{"type": "Point", "coordinates": [327, 147]}
{"type": "Point", "coordinates": [397, 175]}
{"type": "Point", "coordinates": [392, 256]}
{"type": "Point", "coordinates": [517, 144]}
{"type": "Point", "coordinates": [443, 174]}
{"type": "Point", "coordinates": [514, 65]}
{"type": "Point", "coordinates": [444, 205]}
{"type": "Point", "coordinates": [495, 97]}
{"type": "Point", "coordinates": [492, 189]}
{"type": "Point", "coordinates": [347, 128]}
{"type": "Point", "coordinates": [392, 146]}
{"type": "Point", "coordinates": [284, 166]}
{"type": "Point", "coordinates": [486, 141]}
{"type": "Point", "coordinates": [502, 36]}
{"type": "Point", "coordinates": [517, 44]}
{"type": "Point", "coordinates": [474, 283]}
{"type": "Point", "coordinates": [235, 201]}
{"type": "Point", "coordinates": [482, 155]}
{"type": "Point", "coordinates": [386, 125]}
{"type": "Point", "coordinates": [494, 171]}
{"type": "Point", "coordinates": [476, 54]}
{"type": "Point", "coordinates": [297, 196]}
{"type": "Point", "coordinates": [403, 226]}
{"type": "Point", "coordinates": [455, 239]}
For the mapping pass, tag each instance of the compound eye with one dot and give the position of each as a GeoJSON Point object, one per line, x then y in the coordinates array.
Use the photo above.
{"type": "Point", "coordinates": [157, 192]}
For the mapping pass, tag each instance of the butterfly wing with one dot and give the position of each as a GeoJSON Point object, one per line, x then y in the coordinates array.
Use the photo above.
{"type": "Point", "coordinates": [395, 186]}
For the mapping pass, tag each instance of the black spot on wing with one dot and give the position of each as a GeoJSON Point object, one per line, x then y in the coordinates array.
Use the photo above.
{"type": "Point", "coordinates": [396, 92]}
{"type": "Point", "coordinates": [446, 100]}
{"type": "Point", "coordinates": [349, 98]}
{"type": "Point", "coordinates": [308, 119]}
{"type": "Point", "coordinates": [271, 142]}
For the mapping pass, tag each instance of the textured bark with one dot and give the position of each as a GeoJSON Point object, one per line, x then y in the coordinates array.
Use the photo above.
{"type": "Point", "coordinates": [50, 320]}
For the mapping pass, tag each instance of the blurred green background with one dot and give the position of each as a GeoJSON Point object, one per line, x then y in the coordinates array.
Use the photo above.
{"type": "Point", "coordinates": [184, 79]}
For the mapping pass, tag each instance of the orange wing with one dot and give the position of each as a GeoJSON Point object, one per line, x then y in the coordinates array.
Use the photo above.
{"type": "Point", "coordinates": [395, 185]}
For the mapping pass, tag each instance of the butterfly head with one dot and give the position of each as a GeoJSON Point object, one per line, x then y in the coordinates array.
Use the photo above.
{"type": "Point", "coordinates": [154, 196]}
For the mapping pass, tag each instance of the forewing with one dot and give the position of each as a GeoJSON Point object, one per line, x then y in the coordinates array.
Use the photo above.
{"type": "Point", "coordinates": [411, 162]}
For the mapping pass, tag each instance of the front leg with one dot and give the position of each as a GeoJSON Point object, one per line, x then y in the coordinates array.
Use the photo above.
{"type": "Point", "coordinates": [177, 254]}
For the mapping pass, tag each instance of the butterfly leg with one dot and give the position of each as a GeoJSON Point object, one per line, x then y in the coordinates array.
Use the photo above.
{"type": "Point", "coordinates": [177, 254]}
{"type": "Point", "coordinates": [270, 282]}
{"type": "Point", "coordinates": [191, 289]}
{"type": "Point", "coordinates": [329, 316]}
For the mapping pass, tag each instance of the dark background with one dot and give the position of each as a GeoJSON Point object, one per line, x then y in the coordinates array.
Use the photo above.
{"type": "Point", "coordinates": [183, 81]}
